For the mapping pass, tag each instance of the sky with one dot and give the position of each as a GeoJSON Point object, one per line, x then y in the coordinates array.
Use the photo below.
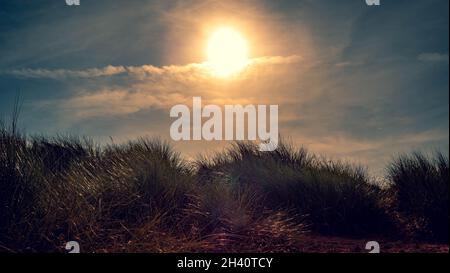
{"type": "Point", "coordinates": [353, 82]}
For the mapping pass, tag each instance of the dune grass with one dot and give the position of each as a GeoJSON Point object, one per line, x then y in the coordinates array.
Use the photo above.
{"type": "Point", "coordinates": [330, 197]}
{"type": "Point", "coordinates": [421, 188]}
{"type": "Point", "coordinates": [141, 196]}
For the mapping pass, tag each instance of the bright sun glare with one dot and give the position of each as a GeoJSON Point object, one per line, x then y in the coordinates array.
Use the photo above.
{"type": "Point", "coordinates": [227, 52]}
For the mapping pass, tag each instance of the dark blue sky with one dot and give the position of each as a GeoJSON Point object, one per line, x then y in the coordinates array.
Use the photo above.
{"type": "Point", "coordinates": [351, 81]}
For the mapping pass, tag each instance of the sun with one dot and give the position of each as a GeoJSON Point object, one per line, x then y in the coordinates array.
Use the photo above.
{"type": "Point", "coordinates": [227, 52]}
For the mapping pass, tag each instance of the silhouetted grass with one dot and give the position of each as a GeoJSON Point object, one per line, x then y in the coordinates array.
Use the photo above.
{"type": "Point", "coordinates": [331, 197]}
{"type": "Point", "coordinates": [142, 196]}
{"type": "Point", "coordinates": [54, 190]}
{"type": "Point", "coordinates": [421, 186]}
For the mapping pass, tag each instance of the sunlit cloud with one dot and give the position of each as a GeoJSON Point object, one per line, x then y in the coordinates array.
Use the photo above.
{"type": "Point", "coordinates": [150, 86]}
{"type": "Point", "coordinates": [144, 70]}
{"type": "Point", "coordinates": [66, 73]}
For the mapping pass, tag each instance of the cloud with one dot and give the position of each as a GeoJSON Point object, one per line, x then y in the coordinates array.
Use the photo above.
{"type": "Point", "coordinates": [65, 73]}
{"type": "Point", "coordinates": [373, 152]}
{"type": "Point", "coordinates": [151, 87]}
{"type": "Point", "coordinates": [433, 57]}
{"type": "Point", "coordinates": [115, 102]}
{"type": "Point", "coordinates": [139, 71]}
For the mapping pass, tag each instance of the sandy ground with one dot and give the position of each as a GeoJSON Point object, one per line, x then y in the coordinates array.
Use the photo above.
{"type": "Point", "coordinates": [323, 244]}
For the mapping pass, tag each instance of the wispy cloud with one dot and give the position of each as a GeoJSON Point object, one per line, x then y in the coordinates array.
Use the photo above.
{"type": "Point", "coordinates": [66, 73]}
{"type": "Point", "coordinates": [115, 102]}
{"type": "Point", "coordinates": [433, 57]}
{"type": "Point", "coordinates": [147, 86]}
{"type": "Point", "coordinates": [140, 71]}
